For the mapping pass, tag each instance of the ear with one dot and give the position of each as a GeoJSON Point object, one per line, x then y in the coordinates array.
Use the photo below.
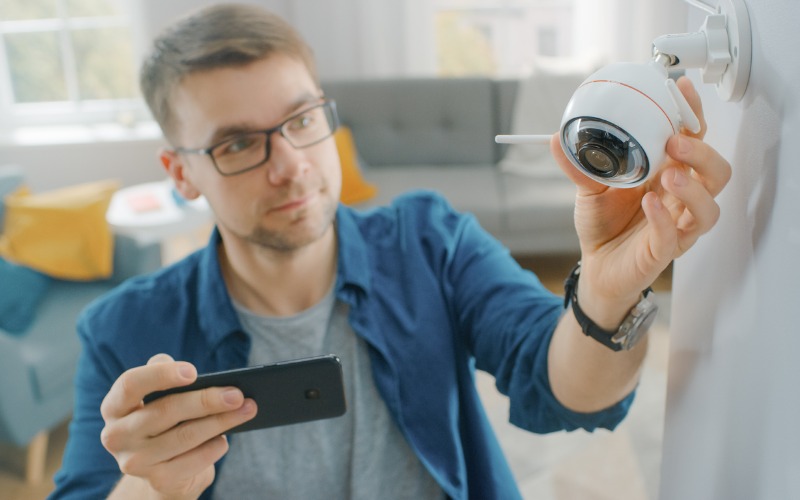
{"type": "Point", "coordinates": [177, 170]}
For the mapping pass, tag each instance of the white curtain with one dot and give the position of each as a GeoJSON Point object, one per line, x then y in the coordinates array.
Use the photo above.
{"type": "Point", "coordinates": [623, 30]}
{"type": "Point", "coordinates": [351, 38]}
{"type": "Point", "coordinates": [389, 38]}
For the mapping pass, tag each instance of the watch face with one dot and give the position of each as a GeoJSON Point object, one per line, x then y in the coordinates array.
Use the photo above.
{"type": "Point", "coordinates": [637, 323]}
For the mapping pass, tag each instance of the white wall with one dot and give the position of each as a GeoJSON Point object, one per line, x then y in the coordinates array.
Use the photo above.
{"type": "Point", "coordinates": [61, 164]}
{"type": "Point", "coordinates": [631, 26]}
{"type": "Point", "coordinates": [733, 404]}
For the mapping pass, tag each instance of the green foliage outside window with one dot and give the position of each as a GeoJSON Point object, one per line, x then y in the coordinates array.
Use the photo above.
{"type": "Point", "coordinates": [66, 50]}
{"type": "Point", "coordinates": [462, 48]}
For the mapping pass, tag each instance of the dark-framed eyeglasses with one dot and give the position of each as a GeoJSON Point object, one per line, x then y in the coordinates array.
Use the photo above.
{"type": "Point", "coordinates": [249, 150]}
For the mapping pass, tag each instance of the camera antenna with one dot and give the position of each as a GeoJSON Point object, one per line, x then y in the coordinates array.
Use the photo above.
{"type": "Point", "coordinates": [721, 49]}
{"type": "Point", "coordinates": [541, 140]}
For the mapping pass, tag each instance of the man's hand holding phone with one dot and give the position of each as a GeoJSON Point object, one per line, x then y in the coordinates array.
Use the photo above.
{"type": "Point", "coordinates": [167, 448]}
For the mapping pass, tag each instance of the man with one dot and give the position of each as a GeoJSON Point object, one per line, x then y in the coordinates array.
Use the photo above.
{"type": "Point", "coordinates": [412, 298]}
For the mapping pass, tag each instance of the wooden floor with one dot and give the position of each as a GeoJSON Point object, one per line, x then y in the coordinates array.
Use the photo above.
{"type": "Point", "coordinates": [12, 483]}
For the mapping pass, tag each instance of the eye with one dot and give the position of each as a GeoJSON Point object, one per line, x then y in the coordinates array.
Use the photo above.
{"type": "Point", "coordinates": [302, 121]}
{"type": "Point", "coordinates": [237, 145]}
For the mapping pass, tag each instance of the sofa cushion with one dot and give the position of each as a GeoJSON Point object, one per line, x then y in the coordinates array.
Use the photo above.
{"type": "Point", "coordinates": [355, 189]}
{"type": "Point", "coordinates": [418, 121]}
{"type": "Point", "coordinates": [51, 348]}
{"type": "Point", "coordinates": [469, 188]}
{"type": "Point", "coordinates": [540, 102]}
{"type": "Point", "coordinates": [21, 290]}
{"type": "Point", "coordinates": [62, 233]}
{"type": "Point", "coordinates": [539, 211]}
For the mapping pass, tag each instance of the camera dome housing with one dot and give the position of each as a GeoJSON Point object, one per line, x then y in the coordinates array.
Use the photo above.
{"type": "Point", "coordinates": [616, 126]}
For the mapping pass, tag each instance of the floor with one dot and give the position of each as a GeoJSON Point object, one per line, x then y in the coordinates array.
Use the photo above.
{"type": "Point", "coordinates": [623, 465]}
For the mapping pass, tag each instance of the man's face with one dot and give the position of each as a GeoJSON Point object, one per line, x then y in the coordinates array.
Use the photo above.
{"type": "Point", "coordinates": [289, 201]}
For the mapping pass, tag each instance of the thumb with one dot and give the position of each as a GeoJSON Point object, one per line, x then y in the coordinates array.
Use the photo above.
{"type": "Point", "coordinates": [586, 185]}
{"type": "Point", "coordinates": [160, 358]}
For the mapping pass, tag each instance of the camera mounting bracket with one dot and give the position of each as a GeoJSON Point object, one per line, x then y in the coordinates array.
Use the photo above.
{"type": "Point", "coordinates": [721, 49]}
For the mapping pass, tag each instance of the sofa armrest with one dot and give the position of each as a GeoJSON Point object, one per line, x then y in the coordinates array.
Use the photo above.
{"type": "Point", "coordinates": [132, 257]}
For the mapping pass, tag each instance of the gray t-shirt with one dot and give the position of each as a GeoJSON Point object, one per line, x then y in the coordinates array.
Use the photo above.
{"type": "Point", "coordinates": [361, 455]}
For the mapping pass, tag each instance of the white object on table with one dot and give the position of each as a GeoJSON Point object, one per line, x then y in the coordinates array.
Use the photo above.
{"type": "Point", "coordinates": [153, 212]}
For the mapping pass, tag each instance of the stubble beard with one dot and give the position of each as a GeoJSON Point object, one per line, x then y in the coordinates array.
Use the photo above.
{"type": "Point", "coordinates": [285, 242]}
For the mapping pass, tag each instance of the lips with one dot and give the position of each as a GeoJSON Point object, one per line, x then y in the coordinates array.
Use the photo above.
{"type": "Point", "coordinates": [291, 205]}
{"type": "Point", "coordinates": [294, 203]}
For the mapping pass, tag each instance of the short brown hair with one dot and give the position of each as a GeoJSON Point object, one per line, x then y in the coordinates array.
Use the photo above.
{"type": "Point", "coordinates": [220, 36]}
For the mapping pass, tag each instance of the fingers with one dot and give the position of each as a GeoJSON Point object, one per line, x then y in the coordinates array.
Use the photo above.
{"type": "Point", "coordinates": [132, 386]}
{"type": "Point", "coordinates": [711, 169]}
{"type": "Point", "coordinates": [693, 98]}
{"type": "Point", "coordinates": [701, 211]}
{"type": "Point", "coordinates": [664, 236]}
{"type": "Point", "coordinates": [192, 467]}
{"type": "Point", "coordinates": [165, 413]}
{"type": "Point", "coordinates": [176, 441]}
{"type": "Point", "coordinates": [172, 442]}
{"type": "Point", "coordinates": [191, 443]}
{"type": "Point", "coordinates": [191, 434]}
{"type": "Point", "coordinates": [691, 205]}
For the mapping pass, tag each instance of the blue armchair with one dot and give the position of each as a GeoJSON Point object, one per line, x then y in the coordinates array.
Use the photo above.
{"type": "Point", "coordinates": [37, 364]}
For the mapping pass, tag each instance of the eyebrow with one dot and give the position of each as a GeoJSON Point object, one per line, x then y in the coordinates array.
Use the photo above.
{"type": "Point", "coordinates": [234, 129]}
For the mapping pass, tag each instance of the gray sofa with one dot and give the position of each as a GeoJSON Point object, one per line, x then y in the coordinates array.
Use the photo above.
{"type": "Point", "coordinates": [37, 364]}
{"type": "Point", "coordinates": [439, 134]}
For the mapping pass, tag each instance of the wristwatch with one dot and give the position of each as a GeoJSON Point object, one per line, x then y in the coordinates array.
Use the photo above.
{"type": "Point", "coordinates": [630, 331]}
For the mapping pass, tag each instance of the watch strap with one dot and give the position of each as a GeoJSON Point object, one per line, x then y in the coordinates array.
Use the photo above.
{"type": "Point", "coordinates": [588, 326]}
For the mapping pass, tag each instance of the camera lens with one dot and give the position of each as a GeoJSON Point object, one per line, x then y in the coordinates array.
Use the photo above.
{"type": "Point", "coordinates": [599, 160]}
{"type": "Point", "coordinates": [604, 151]}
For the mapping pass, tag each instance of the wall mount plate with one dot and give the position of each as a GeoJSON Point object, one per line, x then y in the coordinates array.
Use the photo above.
{"type": "Point", "coordinates": [734, 80]}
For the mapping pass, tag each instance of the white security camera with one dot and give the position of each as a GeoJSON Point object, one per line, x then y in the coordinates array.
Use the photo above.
{"type": "Point", "coordinates": [616, 126]}
{"type": "Point", "coordinates": [617, 123]}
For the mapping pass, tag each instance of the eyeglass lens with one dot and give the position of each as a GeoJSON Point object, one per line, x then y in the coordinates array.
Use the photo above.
{"type": "Point", "coordinates": [247, 151]}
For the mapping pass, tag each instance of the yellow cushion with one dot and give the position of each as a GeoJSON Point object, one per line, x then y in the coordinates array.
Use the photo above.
{"type": "Point", "coordinates": [355, 188]}
{"type": "Point", "coordinates": [61, 233]}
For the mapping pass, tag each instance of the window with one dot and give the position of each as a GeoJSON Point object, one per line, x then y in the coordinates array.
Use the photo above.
{"type": "Point", "coordinates": [66, 60]}
{"type": "Point", "coordinates": [500, 37]}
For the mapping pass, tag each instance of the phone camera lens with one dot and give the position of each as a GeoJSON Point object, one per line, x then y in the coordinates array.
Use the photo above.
{"type": "Point", "coordinates": [313, 394]}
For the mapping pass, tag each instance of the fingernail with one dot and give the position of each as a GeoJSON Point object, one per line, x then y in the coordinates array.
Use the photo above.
{"type": "Point", "coordinates": [684, 145]}
{"type": "Point", "coordinates": [657, 202]}
{"type": "Point", "coordinates": [232, 396]}
{"type": "Point", "coordinates": [186, 371]}
{"type": "Point", "coordinates": [247, 407]}
{"type": "Point", "coordinates": [679, 179]}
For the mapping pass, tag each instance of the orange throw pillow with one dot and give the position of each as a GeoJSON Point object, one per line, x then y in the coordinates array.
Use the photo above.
{"type": "Point", "coordinates": [355, 188]}
{"type": "Point", "coordinates": [62, 233]}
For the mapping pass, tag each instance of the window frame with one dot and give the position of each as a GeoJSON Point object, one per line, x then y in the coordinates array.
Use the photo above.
{"type": "Point", "coordinates": [512, 9]}
{"type": "Point", "coordinates": [74, 111]}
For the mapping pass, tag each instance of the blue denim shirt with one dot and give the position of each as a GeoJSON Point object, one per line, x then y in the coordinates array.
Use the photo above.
{"type": "Point", "coordinates": [434, 296]}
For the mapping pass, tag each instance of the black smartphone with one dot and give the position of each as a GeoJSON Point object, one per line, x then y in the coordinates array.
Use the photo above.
{"type": "Point", "coordinates": [287, 392]}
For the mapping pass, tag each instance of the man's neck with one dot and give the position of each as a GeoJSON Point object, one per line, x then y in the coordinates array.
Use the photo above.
{"type": "Point", "coordinates": [279, 283]}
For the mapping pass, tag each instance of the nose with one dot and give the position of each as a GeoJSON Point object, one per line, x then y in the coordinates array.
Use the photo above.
{"type": "Point", "coordinates": [285, 161]}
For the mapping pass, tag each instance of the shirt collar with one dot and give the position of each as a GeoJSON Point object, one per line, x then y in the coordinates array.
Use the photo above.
{"type": "Point", "coordinates": [353, 261]}
{"type": "Point", "coordinates": [215, 311]}
{"type": "Point", "coordinates": [216, 314]}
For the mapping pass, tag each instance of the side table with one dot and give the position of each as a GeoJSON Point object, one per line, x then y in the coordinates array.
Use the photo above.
{"type": "Point", "coordinates": [154, 212]}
